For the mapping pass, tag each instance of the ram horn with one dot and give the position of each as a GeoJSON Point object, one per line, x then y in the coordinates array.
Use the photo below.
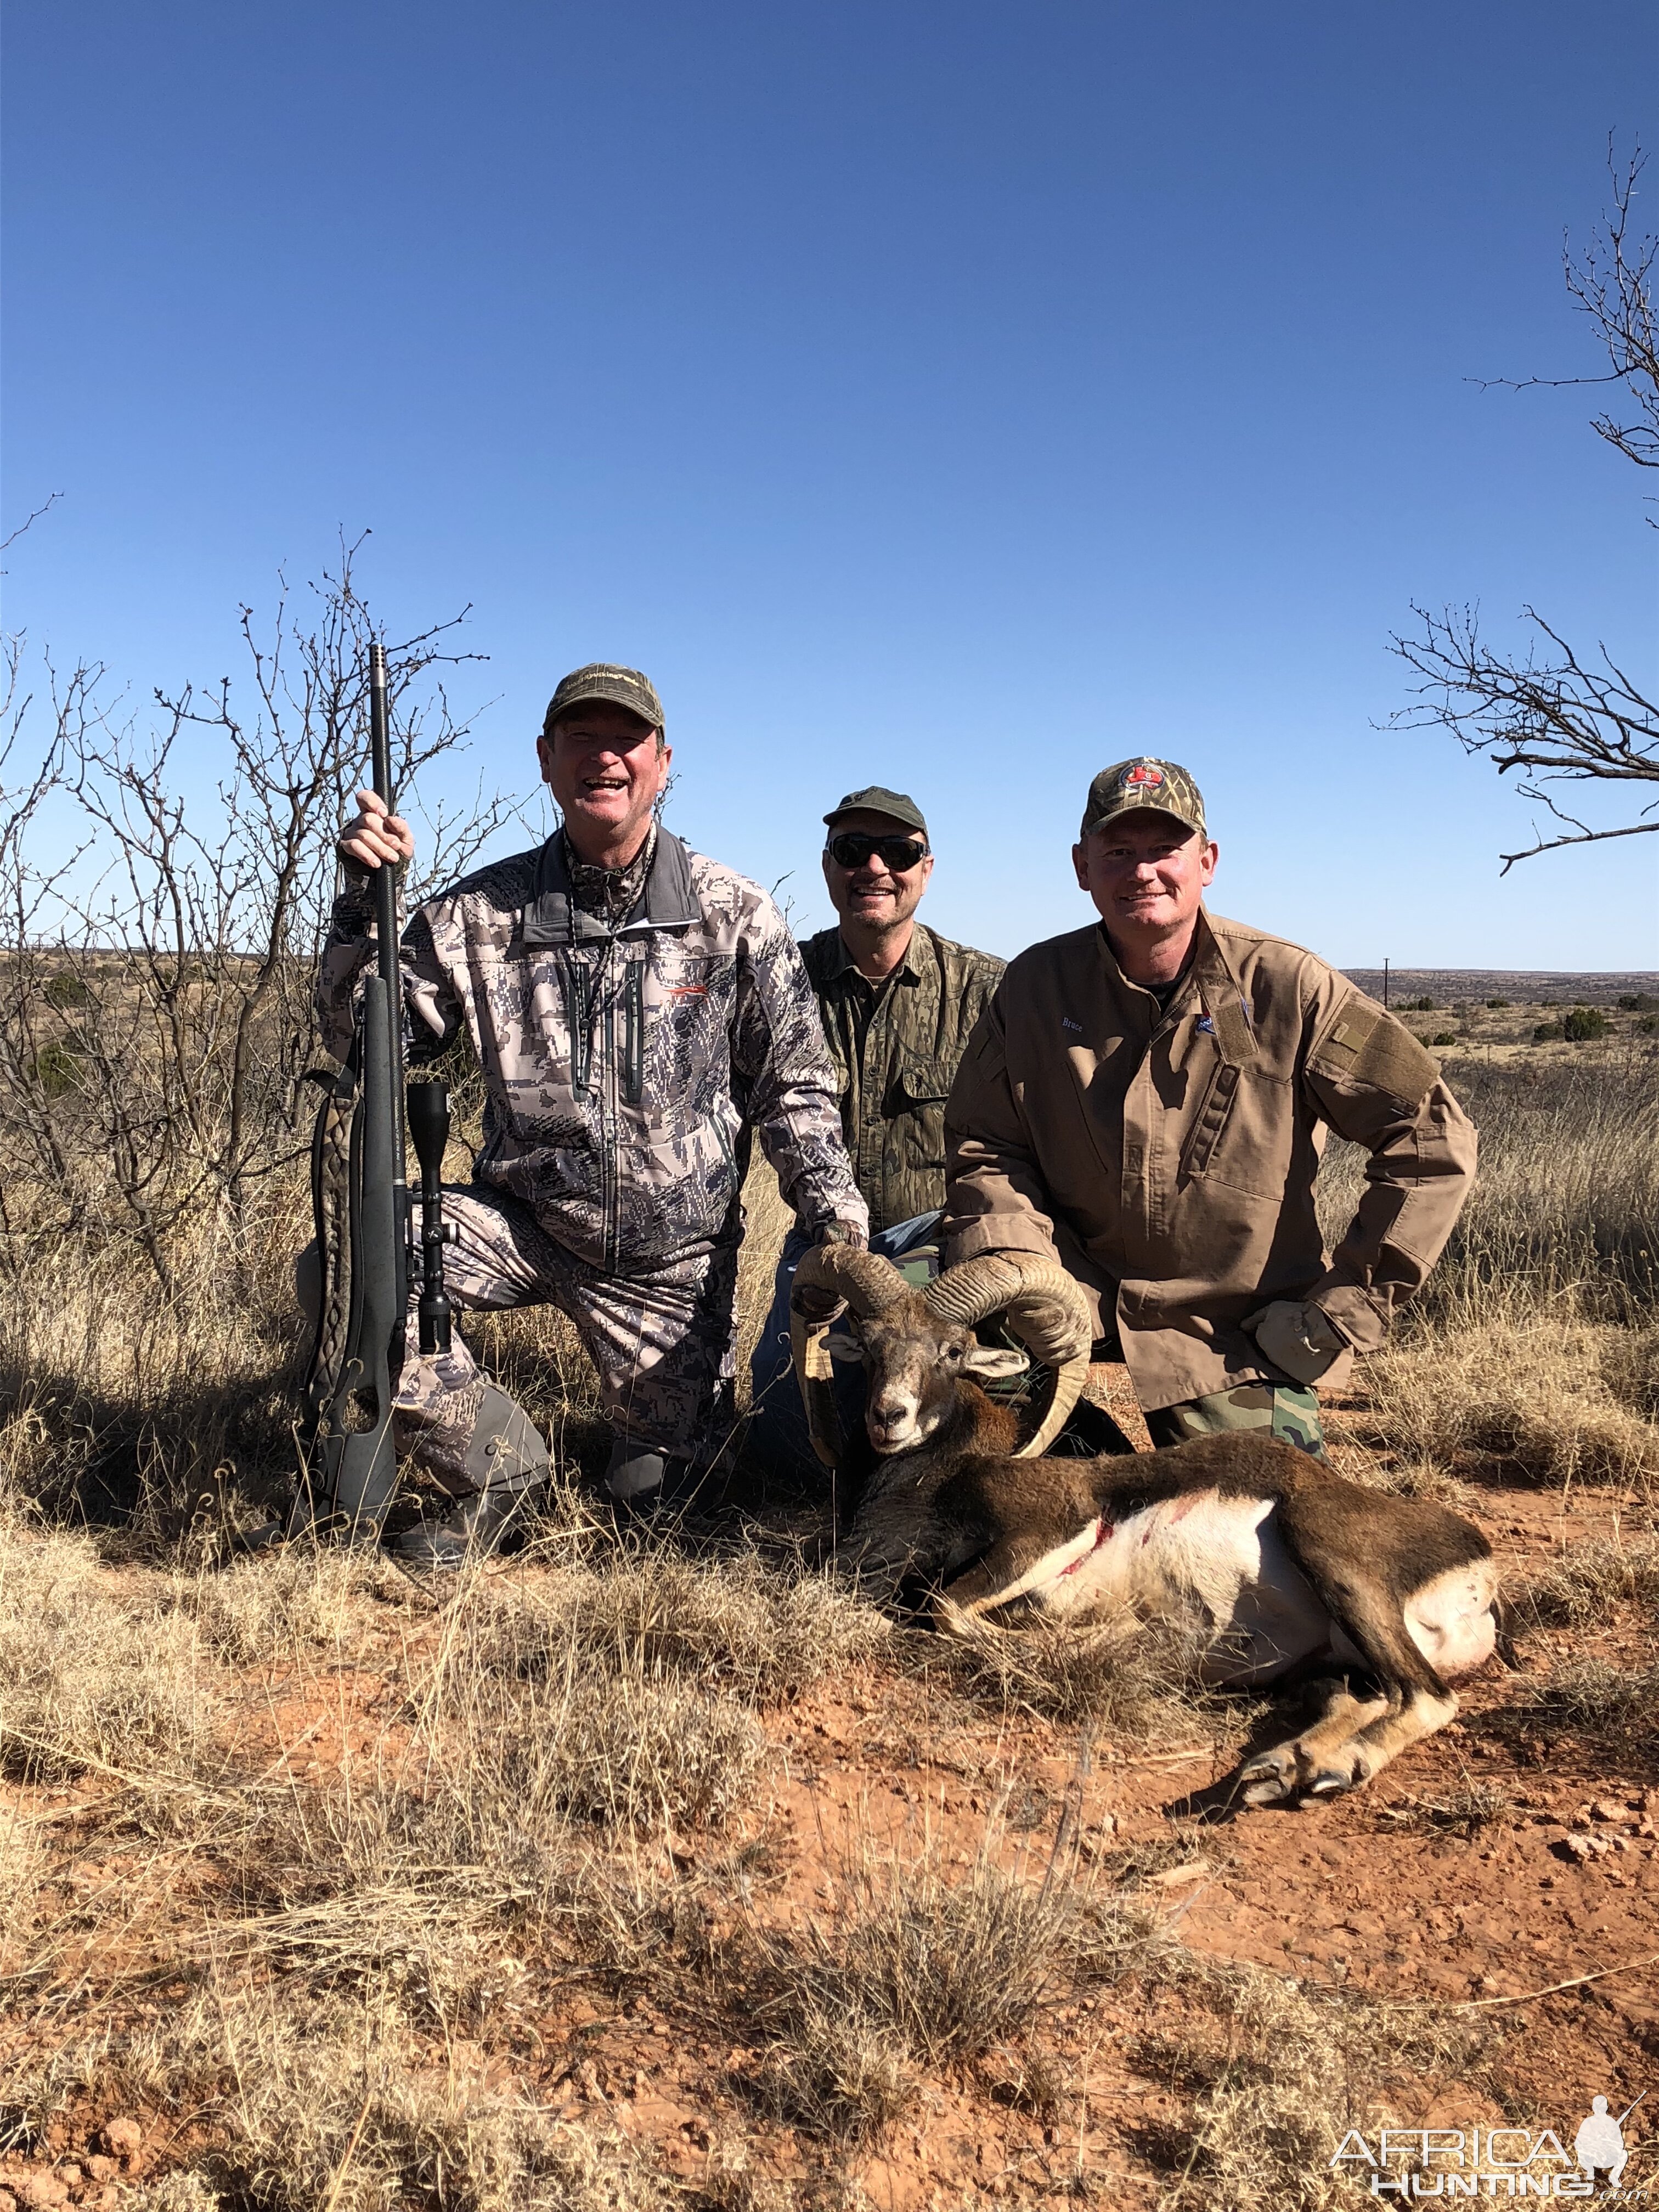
{"type": "Point", "coordinates": [1043, 1308]}
{"type": "Point", "coordinates": [867, 1282]}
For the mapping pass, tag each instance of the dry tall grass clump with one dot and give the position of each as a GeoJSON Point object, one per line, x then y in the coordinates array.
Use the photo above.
{"type": "Point", "coordinates": [1279, 2074]}
{"type": "Point", "coordinates": [1585, 1583]}
{"type": "Point", "coordinates": [732, 1624]}
{"type": "Point", "coordinates": [336, 2103]}
{"type": "Point", "coordinates": [92, 1678]}
{"type": "Point", "coordinates": [1529, 1389]}
{"type": "Point", "coordinates": [915, 1965]}
{"type": "Point", "coordinates": [1120, 1675]}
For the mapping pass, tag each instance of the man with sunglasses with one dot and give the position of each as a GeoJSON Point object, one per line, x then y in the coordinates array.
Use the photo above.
{"type": "Point", "coordinates": [1146, 1100]}
{"type": "Point", "coordinates": [898, 1003]}
{"type": "Point", "coordinates": [639, 1014]}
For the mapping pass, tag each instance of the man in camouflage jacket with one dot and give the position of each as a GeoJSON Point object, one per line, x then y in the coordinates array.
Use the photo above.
{"type": "Point", "coordinates": [898, 1003]}
{"type": "Point", "coordinates": [1147, 1099]}
{"type": "Point", "coordinates": [639, 1012]}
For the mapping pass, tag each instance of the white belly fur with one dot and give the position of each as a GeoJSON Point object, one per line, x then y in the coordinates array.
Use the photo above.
{"type": "Point", "coordinates": [1215, 1564]}
{"type": "Point", "coordinates": [1218, 1565]}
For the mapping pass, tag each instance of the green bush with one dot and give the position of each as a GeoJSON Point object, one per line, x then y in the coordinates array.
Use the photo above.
{"type": "Point", "coordinates": [1417, 1005]}
{"type": "Point", "coordinates": [1638, 1002]}
{"type": "Point", "coordinates": [1648, 1026]}
{"type": "Point", "coordinates": [58, 1069]}
{"type": "Point", "coordinates": [1546, 1033]}
{"type": "Point", "coordinates": [65, 991]}
{"type": "Point", "coordinates": [1492, 1004]}
{"type": "Point", "coordinates": [1583, 1024]}
{"type": "Point", "coordinates": [1444, 1036]}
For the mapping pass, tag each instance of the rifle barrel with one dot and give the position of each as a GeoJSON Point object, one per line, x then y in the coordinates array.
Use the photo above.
{"type": "Point", "coordinates": [385, 921]}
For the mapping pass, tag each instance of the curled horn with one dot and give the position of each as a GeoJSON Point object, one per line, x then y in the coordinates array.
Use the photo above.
{"type": "Point", "coordinates": [868, 1283]}
{"type": "Point", "coordinates": [1046, 1310]}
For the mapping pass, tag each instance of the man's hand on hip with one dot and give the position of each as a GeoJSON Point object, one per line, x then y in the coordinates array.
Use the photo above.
{"type": "Point", "coordinates": [1298, 1337]}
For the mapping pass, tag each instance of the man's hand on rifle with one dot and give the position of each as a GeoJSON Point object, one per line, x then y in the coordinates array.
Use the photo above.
{"type": "Point", "coordinates": [373, 836]}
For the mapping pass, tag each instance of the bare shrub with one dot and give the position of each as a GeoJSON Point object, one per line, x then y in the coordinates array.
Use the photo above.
{"type": "Point", "coordinates": [91, 1679]}
{"type": "Point", "coordinates": [1279, 2074]}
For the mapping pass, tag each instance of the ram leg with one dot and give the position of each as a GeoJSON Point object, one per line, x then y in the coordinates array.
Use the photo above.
{"type": "Point", "coordinates": [1303, 1765]}
{"type": "Point", "coordinates": [1350, 1575]}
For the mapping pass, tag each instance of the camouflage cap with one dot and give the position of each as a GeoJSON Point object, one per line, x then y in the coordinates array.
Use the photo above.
{"type": "Point", "coordinates": [603, 679]}
{"type": "Point", "coordinates": [1159, 787]}
{"type": "Point", "coordinates": [876, 799]}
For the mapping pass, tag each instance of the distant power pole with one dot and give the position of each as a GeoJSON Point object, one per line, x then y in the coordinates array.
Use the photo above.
{"type": "Point", "coordinates": [1385, 982]}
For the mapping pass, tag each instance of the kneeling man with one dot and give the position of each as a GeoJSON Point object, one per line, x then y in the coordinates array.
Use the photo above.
{"type": "Point", "coordinates": [1147, 1099]}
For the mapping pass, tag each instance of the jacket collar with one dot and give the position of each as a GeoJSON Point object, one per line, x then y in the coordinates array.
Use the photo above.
{"type": "Point", "coordinates": [842, 963]}
{"type": "Point", "coordinates": [552, 917]}
{"type": "Point", "coordinates": [1223, 999]}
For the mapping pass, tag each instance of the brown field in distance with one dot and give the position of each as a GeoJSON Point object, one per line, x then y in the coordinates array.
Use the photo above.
{"type": "Point", "coordinates": [668, 1872]}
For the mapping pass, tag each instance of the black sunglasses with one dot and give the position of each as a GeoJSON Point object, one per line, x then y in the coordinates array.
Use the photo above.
{"type": "Point", "coordinates": [852, 848]}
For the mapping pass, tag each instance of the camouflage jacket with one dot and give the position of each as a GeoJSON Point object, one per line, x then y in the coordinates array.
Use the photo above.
{"type": "Point", "coordinates": [624, 1068]}
{"type": "Point", "coordinates": [1168, 1153]}
{"type": "Point", "coordinates": [893, 1090]}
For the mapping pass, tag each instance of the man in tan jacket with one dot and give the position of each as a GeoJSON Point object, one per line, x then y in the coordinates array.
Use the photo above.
{"type": "Point", "coordinates": [1148, 1098]}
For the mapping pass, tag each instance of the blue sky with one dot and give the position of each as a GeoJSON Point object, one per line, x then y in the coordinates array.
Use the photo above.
{"type": "Point", "coordinates": [959, 397]}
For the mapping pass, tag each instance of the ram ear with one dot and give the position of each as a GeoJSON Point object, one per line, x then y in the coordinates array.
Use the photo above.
{"type": "Point", "coordinates": [845, 1348]}
{"type": "Point", "coordinates": [993, 1363]}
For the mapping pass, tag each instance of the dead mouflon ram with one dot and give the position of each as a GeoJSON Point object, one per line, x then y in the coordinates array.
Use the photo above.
{"type": "Point", "coordinates": [1264, 1554]}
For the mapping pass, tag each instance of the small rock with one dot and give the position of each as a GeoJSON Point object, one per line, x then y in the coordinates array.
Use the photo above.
{"type": "Point", "coordinates": [7, 2202]}
{"type": "Point", "coordinates": [123, 2137]}
{"type": "Point", "coordinates": [43, 2192]}
{"type": "Point", "coordinates": [70, 2176]}
{"type": "Point", "coordinates": [1608, 1809]}
{"type": "Point", "coordinates": [1575, 1847]}
{"type": "Point", "coordinates": [100, 2169]}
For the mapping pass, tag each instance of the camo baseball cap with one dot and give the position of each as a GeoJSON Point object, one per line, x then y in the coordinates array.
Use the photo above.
{"type": "Point", "coordinates": [603, 679]}
{"type": "Point", "coordinates": [876, 799]}
{"type": "Point", "coordinates": [1160, 786]}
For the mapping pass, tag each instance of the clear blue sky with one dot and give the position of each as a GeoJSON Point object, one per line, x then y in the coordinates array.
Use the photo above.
{"type": "Point", "coordinates": [956, 396]}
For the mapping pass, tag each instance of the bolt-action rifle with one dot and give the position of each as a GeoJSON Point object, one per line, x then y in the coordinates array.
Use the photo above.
{"type": "Point", "coordinates": [360, 1201]}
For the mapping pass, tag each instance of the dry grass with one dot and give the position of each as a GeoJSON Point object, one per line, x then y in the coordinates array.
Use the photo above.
{"type": "Point", "coordinates": [1117, 1676]}
{"type": "Point", "coordinates": [557, 1779]}
{"type": "Point", "coordinates": [1277, 2073]}
{"type": "Point", "coordinates": [740, 1626]}
{"type": "Point", "coordinates": [1528, 1390]}
{"type": "Point", "coordinates": [93, 1679]}
{"type": "Point", "coordinates": [915, 1967]}
{"type": "Point", "coordinates": [1586, 1583]}
{"type": "Point", "coordinates": [334, 2103]}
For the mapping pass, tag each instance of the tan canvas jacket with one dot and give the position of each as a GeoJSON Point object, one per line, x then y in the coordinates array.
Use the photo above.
{"type": "Point", "coordinates": [892, 1096]}
{"type": "Point", "coordinates": [1168, 1156]}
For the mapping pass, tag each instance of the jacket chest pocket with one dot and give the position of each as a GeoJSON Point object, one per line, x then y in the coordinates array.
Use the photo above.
{"type": "Point", "coordinates": [914, 1105]}
{"type": "Point", "coordinates": [916, 1083]}
{"type": "Point", "coordinates": [1207, 1132]}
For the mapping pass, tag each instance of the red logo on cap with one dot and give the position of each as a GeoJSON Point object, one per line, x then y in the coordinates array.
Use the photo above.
{"type": "Point", "coordinates": [1143, 776]}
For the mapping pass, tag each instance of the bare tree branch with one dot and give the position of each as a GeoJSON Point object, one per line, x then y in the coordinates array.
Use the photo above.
{"type": "Point", "coordinates": [1555, 717]}
{"type": "Point", "coordinates": [1612, 283]}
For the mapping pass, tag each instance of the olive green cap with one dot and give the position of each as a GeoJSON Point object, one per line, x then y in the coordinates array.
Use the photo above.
{"type": "Point", "coordinates": [1158, 787]}
{"type": "Point", "coordinates": [876, 799]}
{"type": "Point", "coordinates": [603, 679]}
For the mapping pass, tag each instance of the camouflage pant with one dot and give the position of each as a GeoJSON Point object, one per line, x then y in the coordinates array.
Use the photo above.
{"type": "Point", "coordinates": [1291, 1415]}
{"type": "Point", "coordinates": [663, 1338]}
